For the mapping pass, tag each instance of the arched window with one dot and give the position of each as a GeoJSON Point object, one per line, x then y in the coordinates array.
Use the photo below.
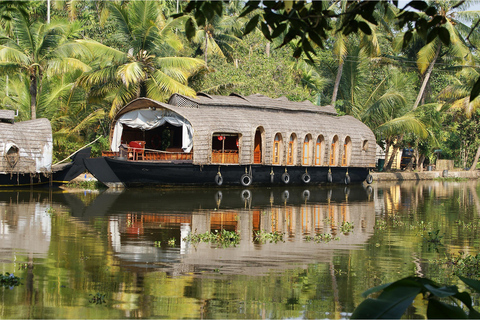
{"type": "Point", "coordinates": [347, 150]}
{"type": "Point", "coordinates": [319, 151]}
{"type": "Point", "coordinates": [334, 151]}
{"type": "Point", "coordinates": [365, 145]}
{"type": "Point", "coordinates": [291, 150]}
{"type": "Point", "coordinates": [258, 146]}
{"type": "Point", "coordinates": [277, 149]}
{"type": "Point", "coordinates": [307, 142]}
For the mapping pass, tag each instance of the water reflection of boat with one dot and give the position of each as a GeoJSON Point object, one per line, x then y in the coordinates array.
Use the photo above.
{"type": "Point", "coordinates": [136, 224]}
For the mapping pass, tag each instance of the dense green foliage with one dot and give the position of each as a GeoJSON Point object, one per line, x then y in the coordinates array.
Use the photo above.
{"type": "Point", "coordinates": [409, 82]}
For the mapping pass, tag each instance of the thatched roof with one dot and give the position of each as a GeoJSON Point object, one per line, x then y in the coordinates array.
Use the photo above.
{"type": "Point", "coordinates": [244, 115]}
{"type": "Point", "coordinates": [7, 116]}
{"type": "Point", "coordinates": [28, 141]}
{"type": "Point", "coordinates": [257, 101]}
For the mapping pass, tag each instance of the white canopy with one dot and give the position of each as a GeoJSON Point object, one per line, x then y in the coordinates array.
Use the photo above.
{"type": "Point", "coordinates": [148, 119]}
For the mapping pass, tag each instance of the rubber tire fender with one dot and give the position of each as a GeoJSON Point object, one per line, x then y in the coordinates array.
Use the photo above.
{"type": "Point", "coordinates": [369, 179]}
{"type": "Point", "coordinates": [329, 177]}
{"type": "Point", "coordinates": [246, 180]}
{"type": "Point", "coordinates": [219, 179]}
{"type": "Point", "coordinates": [306, 178]}
{"type": "Point", "coordinates": [347, 179]}
{"type": "Point", "coordinates": [286, 178]}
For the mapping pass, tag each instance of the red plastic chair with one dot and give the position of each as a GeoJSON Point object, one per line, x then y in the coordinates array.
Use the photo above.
{"type": "Point", "coordinates": [137, 148]}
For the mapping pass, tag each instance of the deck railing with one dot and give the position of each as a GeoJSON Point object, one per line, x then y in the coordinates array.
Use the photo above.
{"type": "Point", "coordinates": [228, 156]}
{"type": "Point", "coordinates": [153, 155]}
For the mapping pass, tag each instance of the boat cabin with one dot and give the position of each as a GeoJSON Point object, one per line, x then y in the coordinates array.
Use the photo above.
{"type": "Point", "coordinates": [25, 147]}
{"type": "Point", "coordinates": [240, 130]}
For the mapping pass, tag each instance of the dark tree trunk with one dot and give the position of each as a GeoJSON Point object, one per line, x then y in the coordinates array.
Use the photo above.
{"type": "Point", "coordinates": [337, 83]}
{"type": "Point", "coordinates": [474, 164]}
{"type": "Point", "coordinates": [33, 95]}
{"type": "Point", "coordinates": [420, 163]}
{"type": "Point", "coordinates": [427, 77]}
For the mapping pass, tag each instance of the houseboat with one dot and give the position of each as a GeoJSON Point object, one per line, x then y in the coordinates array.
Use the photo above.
{"type": "Point", "coordinates": [233, 140]}
{"type": "Point", "coordinates": [26, 154]}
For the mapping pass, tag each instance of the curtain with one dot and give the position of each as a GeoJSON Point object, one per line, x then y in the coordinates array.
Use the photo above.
{"type": "Point", "coordinates": [148, 119]}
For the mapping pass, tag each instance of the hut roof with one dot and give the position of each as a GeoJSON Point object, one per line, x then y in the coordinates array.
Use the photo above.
{"type": "Point", "coordinates": [33, 140]}
{"type": "Point", "coordinates": [7, 116]}
{"type": "Point", "coordinates": [275, 115]}
{"type": "Point", "coordinates": [257, 101]}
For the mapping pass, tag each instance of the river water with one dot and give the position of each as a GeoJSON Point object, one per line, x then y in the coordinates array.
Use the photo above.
{"type": "Point", "coordinates": [285, 253]}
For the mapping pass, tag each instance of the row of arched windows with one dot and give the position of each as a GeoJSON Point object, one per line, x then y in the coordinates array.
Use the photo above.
{"type": "Point", "coordinates": [312, 154]}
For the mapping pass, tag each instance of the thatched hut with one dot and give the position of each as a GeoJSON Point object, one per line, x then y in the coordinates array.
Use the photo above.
{"type": "Point", "coordinates": [25, 147]}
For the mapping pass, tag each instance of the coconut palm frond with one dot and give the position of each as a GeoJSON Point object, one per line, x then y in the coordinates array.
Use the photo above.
{"type": "Point", "coordinates": [426, 55]}
{"type": "Point", "coordinates": [13, 55]}
{"type": "Point", "coordinates": [56, 66]}
{"type": "Point", "coordinates": [406, 123]}
{"type": "Point", "coordinates": [191, 65]}
{"type": "Point", "coordinates": [167, 85]}
{"type": "Point", "coordinates": [131, 73]}
{"type": "Point", "coordinates": [100, 50]}
{"type": "Point", "coordinates": [88, 120]}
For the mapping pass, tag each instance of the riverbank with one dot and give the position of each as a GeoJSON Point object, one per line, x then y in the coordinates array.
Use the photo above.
{"type": "Point", "coordinates": [425, 175]}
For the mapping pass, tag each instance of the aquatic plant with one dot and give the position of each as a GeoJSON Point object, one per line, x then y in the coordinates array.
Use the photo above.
{"type": "Point", "coordinates": [9, 280]}
{"type": "Point", "coordinates": [321, 237]}
{"type": "Point", "coordinates": [433, 237]}
{"type": "Point", "coordinates": [346, 227]}
{"type": "Point", "coordinates": [397, 296]}
{"type": "Point", "coordinates": [171, 242]}
{"type": "Point", "coordinates": [157, 243]}
{"type": "Point", "coordinates": [86, 185]}
{"type": "Point", "coordinates": [224, 238]}
{"type": "Point", "coordinates": [98, 298]}
{"type": "Point", "coordinates": [273, 237]}
{"type": "Point", "coordinates": [465, 264]}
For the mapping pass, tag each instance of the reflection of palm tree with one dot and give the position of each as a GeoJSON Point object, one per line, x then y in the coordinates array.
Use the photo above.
{"type": "Point", "coordinates": [145, 66]}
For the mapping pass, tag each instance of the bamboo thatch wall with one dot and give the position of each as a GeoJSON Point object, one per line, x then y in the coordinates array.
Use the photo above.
{"type": "Point", "coordinates": [32, 139]}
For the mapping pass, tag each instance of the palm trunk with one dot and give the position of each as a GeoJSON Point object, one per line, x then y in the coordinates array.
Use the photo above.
{"type": "Point", "coordinates": [427, 77]}
{"type": "Point", "coordinates": [474, 164]}
{"type": "Point", "coordinates": [205, 54]}
{"type": "Point", "coordinates": [337, 83]}
{"type": "Point", "coordinates": [420, 163]}
{"type": "Point", "coordinates": [389, 164]}
{"type": "Point", "coordinates": [33, 96]}
{"type": "Point", "coordinates": [394, 152]}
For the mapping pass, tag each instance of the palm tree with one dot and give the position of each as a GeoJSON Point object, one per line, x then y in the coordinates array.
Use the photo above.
{"type": "Point", "coordinates": [368, 43]}
{"type": "Point", "coordinates": [451, 34]}
{"type": "Point", "coordinates": [218, 36]}
{"type": "Point", "coordinates": [457, 96]}
{"type": "Point", "coordinates": [38, 49]}
{"type": "Point", "coordinates": [385, 110]}
{"type": "Point", "coordinates": [146, 64]}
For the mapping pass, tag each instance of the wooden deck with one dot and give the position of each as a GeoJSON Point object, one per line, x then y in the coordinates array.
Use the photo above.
{"type": "Point", "coordinates": [153, 156]}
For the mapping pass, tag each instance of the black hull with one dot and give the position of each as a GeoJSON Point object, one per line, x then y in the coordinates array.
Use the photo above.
{"type": "Point", "coordinates": [137, 174]}
{"type": "Point", "coordinates": [60, 175]}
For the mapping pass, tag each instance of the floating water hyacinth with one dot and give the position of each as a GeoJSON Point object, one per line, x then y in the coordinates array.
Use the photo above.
{"type": "Point", "coordinates": [9, 280]}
